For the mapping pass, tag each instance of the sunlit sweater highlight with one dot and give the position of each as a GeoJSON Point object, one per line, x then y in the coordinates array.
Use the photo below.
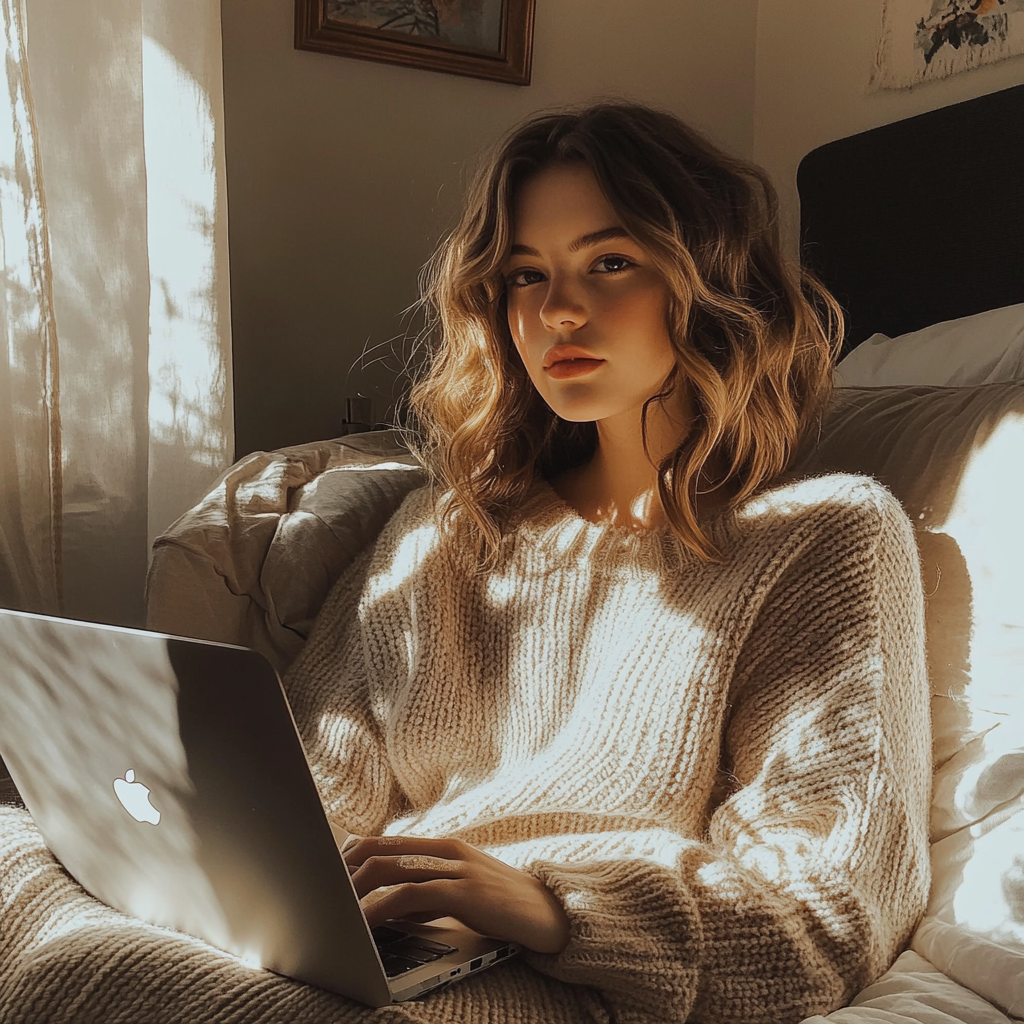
{"type": "Point", "coordinates": [720, 770]}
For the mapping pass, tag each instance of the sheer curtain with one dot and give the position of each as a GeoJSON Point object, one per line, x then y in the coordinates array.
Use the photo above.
{"type": "Point", "coordinates": [115, 393]}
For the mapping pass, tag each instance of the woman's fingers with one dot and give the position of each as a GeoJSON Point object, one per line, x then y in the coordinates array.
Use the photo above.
{"type": "Point", "coordinates": [393, 846]}
{"type": "Point", "coordinates": [421, 901]}
{"type": "Point", "coordinates": [376, 872]}
{"type": "Point", "coordinates": [400, 877]}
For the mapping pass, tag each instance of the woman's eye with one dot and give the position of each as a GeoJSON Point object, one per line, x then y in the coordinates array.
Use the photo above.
{"type": "Point", "coordinates": [522, 278]}
{"type": "Point", "coordinates": [612, 264]}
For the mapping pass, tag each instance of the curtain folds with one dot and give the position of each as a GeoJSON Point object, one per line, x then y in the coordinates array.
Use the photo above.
{"type": "Point", "coordinates": [115, 396]}
{"type": "Point", "coordinates": [30, 464]}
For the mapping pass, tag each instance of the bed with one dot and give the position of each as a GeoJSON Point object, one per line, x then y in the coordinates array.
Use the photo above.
{"type": "Point", "coordinates": [252, 563]}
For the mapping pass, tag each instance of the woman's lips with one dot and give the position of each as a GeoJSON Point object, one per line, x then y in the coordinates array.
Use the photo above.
{"type": "Point", "coordinates": [572, 368]}
{"type": "Point", "coordinates": [562, 352]}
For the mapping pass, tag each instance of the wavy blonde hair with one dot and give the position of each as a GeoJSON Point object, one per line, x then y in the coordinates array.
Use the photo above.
{"type": "Point", "coordinates": [755, 337]}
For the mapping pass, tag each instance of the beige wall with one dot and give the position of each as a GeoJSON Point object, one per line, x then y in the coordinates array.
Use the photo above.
{"type": "Point", "coordinates": [813, 62]}
{"type": "Point", "coordinates": [342, 175]}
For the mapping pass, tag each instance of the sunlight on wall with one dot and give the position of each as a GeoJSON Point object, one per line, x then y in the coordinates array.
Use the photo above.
{"type": "Point", "coordinates": [189, 394]}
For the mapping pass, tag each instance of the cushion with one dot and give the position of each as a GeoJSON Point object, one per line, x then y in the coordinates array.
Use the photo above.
{"type": "Point", "coordinates": [992, 969]}
{"type": "Point", "coordinates": [253, 562]}
{"type": "Point", "coordinates": [979, 349]}
{"type": "Point", "coordinates": [913, 991]}
{"type": "Point", "coordinates": [952, 456]}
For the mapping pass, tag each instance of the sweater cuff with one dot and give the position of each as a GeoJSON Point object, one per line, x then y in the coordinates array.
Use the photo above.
{"type": "Point", "coordinates": [634, 934]}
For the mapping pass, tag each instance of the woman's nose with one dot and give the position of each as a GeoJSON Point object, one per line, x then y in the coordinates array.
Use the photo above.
{"type": "Point", "coordinates": [562, 307]}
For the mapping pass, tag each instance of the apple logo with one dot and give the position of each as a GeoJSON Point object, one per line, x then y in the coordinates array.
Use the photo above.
{"type": "Point", "coordinates": [134, 797]}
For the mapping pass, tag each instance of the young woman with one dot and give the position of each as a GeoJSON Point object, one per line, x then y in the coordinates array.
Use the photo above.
{"type": "Point", "coordinates": [615, 686]}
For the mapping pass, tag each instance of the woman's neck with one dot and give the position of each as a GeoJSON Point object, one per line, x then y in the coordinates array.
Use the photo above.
{"type": "Point", "coordinates": [619, 485]}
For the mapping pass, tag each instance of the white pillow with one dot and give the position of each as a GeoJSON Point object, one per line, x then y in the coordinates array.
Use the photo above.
{"type": "Point", "coordinates": [980, 349]}
{"type": "Point", "coordinates": [952, 455]}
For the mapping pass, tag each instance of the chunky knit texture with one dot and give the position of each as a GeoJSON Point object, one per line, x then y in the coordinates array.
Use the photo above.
{"type": "Point", "coordinates": [722, 771]}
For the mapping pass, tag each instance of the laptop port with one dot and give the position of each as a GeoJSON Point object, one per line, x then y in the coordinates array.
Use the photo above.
{"type": "Point", "coordinates": [474, 964]}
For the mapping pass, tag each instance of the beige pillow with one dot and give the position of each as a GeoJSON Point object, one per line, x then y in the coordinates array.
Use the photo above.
{"type": "Point", "coordinates": [953, 456]}
{"type": "Point", "coordinates": [252, 563]}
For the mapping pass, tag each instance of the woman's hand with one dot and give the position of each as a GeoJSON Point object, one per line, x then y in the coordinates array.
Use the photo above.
{"type": "Point", "coordinates": [420, 879]}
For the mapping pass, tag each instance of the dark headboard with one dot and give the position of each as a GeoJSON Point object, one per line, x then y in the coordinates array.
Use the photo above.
{"type": "Point", "coordinates": [921, 220]}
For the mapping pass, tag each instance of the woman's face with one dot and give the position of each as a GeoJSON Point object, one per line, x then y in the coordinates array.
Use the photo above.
{"type": "Point", "coordinates": [587, 310]}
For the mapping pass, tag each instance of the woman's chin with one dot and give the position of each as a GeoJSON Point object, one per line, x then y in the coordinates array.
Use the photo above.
{"type": "Point", "coordinates": [594, 412]}
{"type": "Point", "coordinates": [574, 418]}
{"type": "Point", "coordinates": [579, 411]}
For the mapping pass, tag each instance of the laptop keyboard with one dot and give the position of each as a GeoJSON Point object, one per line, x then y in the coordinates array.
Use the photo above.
{"type": "Point", "coordinates": [401, 952]}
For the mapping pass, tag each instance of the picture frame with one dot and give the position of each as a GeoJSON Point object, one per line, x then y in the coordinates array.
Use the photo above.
{"type": "Point", "coordinates": [490, 39]}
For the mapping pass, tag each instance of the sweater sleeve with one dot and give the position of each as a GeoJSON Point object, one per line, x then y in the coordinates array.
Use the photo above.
{"type": "Point", "coordinates": [329, 693]}
{"type": "Point", "coordinates": [813, 871]}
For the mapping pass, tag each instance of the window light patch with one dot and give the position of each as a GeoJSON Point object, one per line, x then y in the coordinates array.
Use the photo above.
{"type": "Point", "coordinates": [984, 521]}
{"type": "Point", "coordinates": [371, 468]}
{"type": "Point", "coordinates": [189, 396]}
{"type": "Point", "coordinates": [501, 589]}
{"type": "Point", "coordinates": [577, 900]}
{"type": "Point", "coordinates": [980, 885]}
{"type": "Point", "coordinates": [409, 554]}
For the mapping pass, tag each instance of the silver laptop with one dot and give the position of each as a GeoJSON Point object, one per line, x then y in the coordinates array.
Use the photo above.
{"type": "Point", "coordinates": [168, 777]}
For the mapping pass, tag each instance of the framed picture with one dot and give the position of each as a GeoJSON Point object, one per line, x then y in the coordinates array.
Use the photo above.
{"type": "Point", "coordinates": [479, 38]}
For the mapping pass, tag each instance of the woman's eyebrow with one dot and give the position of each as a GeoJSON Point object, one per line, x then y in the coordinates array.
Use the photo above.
{"type": "Point", "coordinates": [591, 238]}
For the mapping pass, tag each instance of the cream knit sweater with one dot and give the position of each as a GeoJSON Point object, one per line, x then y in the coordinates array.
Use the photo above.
{"type": "Point", "coordinates": [722, 771]}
